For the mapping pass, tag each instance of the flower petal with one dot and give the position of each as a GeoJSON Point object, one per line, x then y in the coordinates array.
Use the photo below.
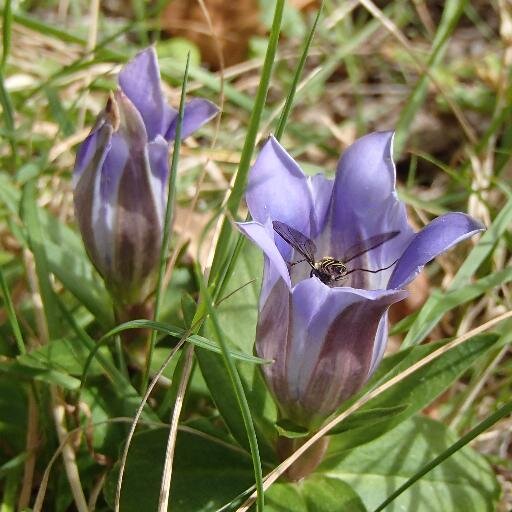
{"type": "Point", "coordinates": [197, 112]}
{"type": "Point", "coordinates": [321, 189]}
{"type": "Point", "coordinates": [137, 228]}
{"type": "Point", "coordinates": [86, 184]}
{"type": "Point", "coordinates": [441, 234]}
{"type": "Point", "coordinates": [158, 153]}
{"type": "Point", "coordinates": [92, 150]}
{"type": "Point", "coordinates": [335, 352]}
{"type": "Point", "coordinates": [381, 342]}
{"type": "Point", "coordinates": [279, 190]}
{"type": "Point", "coordinates": [364, 201]}
{"type": "Point", "coordinates": [262, 236]}
{"type": "Point", "coordinates": [140, 81]}
{"type": "Point", "coordinates": [322, 340]}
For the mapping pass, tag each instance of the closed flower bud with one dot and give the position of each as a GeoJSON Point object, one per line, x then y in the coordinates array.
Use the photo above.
{"type": "Point", "coordinates": [120, 178]}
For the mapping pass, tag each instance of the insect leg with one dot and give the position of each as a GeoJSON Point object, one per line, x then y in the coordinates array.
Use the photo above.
{"type": "Point", "coordinates": [368, 270]}
{"type": "Point", "coordinates": [295, 262]}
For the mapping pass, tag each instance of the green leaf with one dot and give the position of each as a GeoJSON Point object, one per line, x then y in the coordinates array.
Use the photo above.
{"type": "Point", "coordinates": [238, 316]}
{"type": "Point", "coordinates": [215, 472]}
{"type": "Point", "coordinates": [457, 445]}
{"type": "Point", "coordinates": [16, 371]}
{"type": "Point", "coordinates": [13, 416]}
{"type": "Point", "coordinates": [36, 239]}
{"type": "Point", "coordinates": [362, 418]}
{"type": "Point", "coordinates": [61, 355]}
{"type": "Point", "coordinates": [287, 428]}
{"type": "Point", "coordinates": [463, 482]}
{"type": "Point", "coordinates": [66, 256]}
{"type": "Point", "coordinates": [415, 391]}
{"type": "Point", "coordinates": [317, 493]}
{"type": "Point", "coordinates": [178, 332]}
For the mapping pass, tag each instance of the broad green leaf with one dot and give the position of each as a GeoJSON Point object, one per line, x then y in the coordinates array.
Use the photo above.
{"type": "Point", "coordinates": [317, 493]}
{"type": "Point", "coordinates": [30, 213]}
{"type": "Point", "coordinates": [214, 471]}
{"type": "Point", "coordinates": [61, 355]}
{"type": "Point", "coordinates": [361, 418]}
{"type": "Point", "coordinates": [76, 273]}
{"type": "Point", "coordinates": [464, 482]}
{"type": "Point", "coordinates": [415, 391]}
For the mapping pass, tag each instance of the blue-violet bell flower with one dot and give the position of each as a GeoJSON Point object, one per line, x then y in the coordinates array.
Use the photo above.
{"type": "Point", "coordinates": [326, 337]}
{"type": "Point", "coordinates": [120, 178]}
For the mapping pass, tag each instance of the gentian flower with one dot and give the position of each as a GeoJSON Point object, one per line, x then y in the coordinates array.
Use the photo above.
{"type": "Point", "coordinates": [326, 338]}
{"type": "Point", "coordinates": [120, 178]}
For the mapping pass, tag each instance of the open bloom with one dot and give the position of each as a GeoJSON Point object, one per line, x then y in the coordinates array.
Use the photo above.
{"type": "Point", "coordinates": [326, 338]}
{"type": "Point", "coordinates": [120, 178]}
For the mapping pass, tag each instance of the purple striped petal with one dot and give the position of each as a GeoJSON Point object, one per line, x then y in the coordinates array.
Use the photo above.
{"type": "Point", "coordinates": [322, 340]}
{"type": "Point", "coordinates": [140, 81]}
{"type": "Point", "coordinates": [364, 201]}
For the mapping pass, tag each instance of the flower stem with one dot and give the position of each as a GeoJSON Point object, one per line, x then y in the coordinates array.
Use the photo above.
{"type": "Point", "coordinates": [307, 462]}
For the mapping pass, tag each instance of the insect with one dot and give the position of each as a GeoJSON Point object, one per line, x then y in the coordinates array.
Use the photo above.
{"type": "Point", "coordinates": [329, 269]}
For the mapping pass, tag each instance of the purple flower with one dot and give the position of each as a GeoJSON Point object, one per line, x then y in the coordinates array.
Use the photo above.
{"type": "Point", "coordinates": [120, 177]}
{"type": "Point", "coordinates": [326, 338]}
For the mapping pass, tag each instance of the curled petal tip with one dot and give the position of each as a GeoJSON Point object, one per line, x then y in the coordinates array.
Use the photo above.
{"type": "Point", "coordinates": [437, 237]}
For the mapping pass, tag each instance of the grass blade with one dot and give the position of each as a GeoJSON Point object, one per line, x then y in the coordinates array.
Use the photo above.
{"type": "Point", "coordinates": [30, 216]}
{"type": "Point", "coordinates": [236, 381]}
{"type": "Point", "coordinates": [11, 314]}
{"type": "Point", "coordinates": [453, 10]}
{"type": "Point", "coordinates": [171, 192]}
{"type": "Point", "coordinates": [225, 239]}
{"type": "Point", "coordinates": [178, 332]}
{"type": "Point", "coordinates": [6, 33]}
{"type": "Point", "coordinates": [420, 328]}
{"type": "Point", "coordinates": [296, 77]}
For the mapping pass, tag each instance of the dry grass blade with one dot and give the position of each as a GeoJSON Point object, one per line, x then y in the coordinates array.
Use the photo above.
{"type": "Point", "coordinates": [136, 419]}
{"type": "Point", "coordinates": [43, 485]}
{"type": "Point", "coordinates": [163, 501]}
{"type": "Point", "coordinates": [281, 469]}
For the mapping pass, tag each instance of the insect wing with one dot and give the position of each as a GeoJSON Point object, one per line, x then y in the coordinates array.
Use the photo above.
{"type": "Point", "coordinates": [296, 239]}
{"type": "Point", "coordinates": [369, 244]}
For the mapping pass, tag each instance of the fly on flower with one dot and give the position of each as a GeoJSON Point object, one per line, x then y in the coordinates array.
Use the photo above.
{"type": "Point", "coordinates": [329, 269]}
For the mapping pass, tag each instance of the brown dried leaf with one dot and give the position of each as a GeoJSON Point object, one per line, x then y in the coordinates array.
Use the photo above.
{"type": "Point", "coordinates": [234, 23]}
